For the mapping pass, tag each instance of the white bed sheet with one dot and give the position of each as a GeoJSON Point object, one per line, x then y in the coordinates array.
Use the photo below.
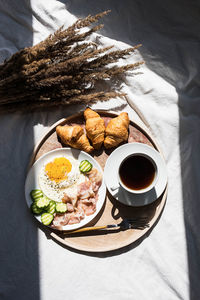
{"type": "Point", "coordinates": [166, 265]}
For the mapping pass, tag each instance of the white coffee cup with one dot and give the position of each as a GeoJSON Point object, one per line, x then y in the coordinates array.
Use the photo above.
{"type": "Point", "coordinates": [137, 173]}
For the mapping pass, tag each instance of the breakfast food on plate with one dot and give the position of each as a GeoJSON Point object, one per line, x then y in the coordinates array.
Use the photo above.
{"type": "Point", "coordinates": [95, 127]}
{"type": "Point", "coordinates": [36, 194]}
{"type": "Point", "coordinates": [58, 176]}
{"type": "Point", "coordinates": [75, 137]}
{"type": "Point", "coordinates": [85, 166]}
{"type": "Point", "coordinates": [68, 192]}
{"type": "Point", "coordinates": [117, 131]}
{"type": "Point", "coordinates": [46, 218]}
{"type": "Point", "coordinates": [35, 209]}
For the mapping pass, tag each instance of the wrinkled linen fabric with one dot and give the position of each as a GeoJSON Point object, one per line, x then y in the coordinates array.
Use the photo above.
{"type": "Point", "coordinates": [166, 95]}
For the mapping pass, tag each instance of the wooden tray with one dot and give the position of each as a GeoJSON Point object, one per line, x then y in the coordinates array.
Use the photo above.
{"type": "Point", "coordinates": [112, 211]}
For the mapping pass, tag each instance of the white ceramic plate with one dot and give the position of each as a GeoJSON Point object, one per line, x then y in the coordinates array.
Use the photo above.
{"type": "Point", "coordinates": [111, 179]}
{"type": "Point", "coordinates": [32, 180]}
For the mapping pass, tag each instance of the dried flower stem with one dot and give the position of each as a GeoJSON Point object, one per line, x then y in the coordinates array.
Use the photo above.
{"type": "Point", "coordinates": [61, 70]}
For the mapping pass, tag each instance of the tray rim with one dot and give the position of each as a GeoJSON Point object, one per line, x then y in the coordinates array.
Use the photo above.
{"type": "Point", "coordinates": [158, 213]}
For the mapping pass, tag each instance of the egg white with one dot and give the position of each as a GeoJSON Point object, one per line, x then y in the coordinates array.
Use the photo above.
{"type": "Point", "coordinates": [54, 190]}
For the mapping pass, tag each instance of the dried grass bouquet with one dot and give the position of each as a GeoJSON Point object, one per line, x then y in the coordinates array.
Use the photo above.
{"type": "Point", "coordinates": [63, 69]}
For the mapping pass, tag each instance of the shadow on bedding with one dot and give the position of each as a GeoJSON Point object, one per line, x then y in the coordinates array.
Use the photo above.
{"type": "Point", "coordinates": [19, 271]}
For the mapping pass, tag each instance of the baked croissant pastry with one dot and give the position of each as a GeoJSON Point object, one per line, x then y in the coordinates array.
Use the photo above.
{"type": "Point", "coordinates": [117, 131]}
{"type": "Point", "coordinates": [95, 127]}
{"type": "Point", "coordinates": [75, 137]}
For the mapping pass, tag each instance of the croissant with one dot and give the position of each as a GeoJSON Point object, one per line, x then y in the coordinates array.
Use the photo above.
{"type": "Point", "coordinates": [95, 127]}
{"type": "Point", "coordinates": [117, 131]}
{"type": "Point", "coordinates": [75, 137]}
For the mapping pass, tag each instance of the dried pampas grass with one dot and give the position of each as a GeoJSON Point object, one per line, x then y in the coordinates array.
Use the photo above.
{"type": "Point", "coordinates": [63, 69]}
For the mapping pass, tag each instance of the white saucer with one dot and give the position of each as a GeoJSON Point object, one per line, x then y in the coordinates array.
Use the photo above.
{"type": "Point", "coordinates": [111, 170]}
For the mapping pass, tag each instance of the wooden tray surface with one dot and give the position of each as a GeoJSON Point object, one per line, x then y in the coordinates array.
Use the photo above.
{"type": "Point", "coordinates": [112, 211]}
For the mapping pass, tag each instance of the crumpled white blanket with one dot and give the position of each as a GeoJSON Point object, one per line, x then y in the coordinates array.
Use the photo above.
{"type": "Point", "coordinates": [165, 265]}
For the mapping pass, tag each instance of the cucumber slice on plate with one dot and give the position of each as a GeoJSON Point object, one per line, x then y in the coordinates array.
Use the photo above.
{"type": "Point", "coordinates": [43, 202]}
{"type": "Point", "coordinates": [61, 207]}
{"type": "Point", "coordinates": [46, 218]}
{"type": "Point", "coordinates": [36, 194]}
{"type": "Point", "coordinates": [85, 166]}
{"type": "Point", "coordinates": [51, 207]}
{"type": "Point", "coordinates": [35, 210]}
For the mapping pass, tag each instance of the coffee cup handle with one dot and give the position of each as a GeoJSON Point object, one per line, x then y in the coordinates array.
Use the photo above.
{"type": "Point", "coordinates": [115, 187]}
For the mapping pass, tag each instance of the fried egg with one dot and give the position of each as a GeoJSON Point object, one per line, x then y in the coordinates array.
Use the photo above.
{"type": "Point", "coordinates": [59, 176]}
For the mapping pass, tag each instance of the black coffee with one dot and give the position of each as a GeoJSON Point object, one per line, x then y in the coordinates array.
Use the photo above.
{"type": "Point", "coordinates": [137, 172]}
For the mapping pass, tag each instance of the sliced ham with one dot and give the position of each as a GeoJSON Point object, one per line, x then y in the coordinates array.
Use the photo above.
{"type": "Point", "coordinates": [76, 217]}
{"type": "Point", "coordinates": [89, 201]}
{"type": "Point", "coordinates": [82, 203]}
{"type": "Point", "coordinates": [95, 175]}
{"type": "Point", "coordinates": [66, 199]}
{"type": "Point", "coordinates": [85, 190]}
{"type": "Point", "coordinates": [70, 207]}
{"type": "Point", "coordinates": [96, 178]}
{"type": "Point", "coordinates": [60, 220]}
{"type": "Point", "coordinates": [74, 220]}
{"type": "Point", "coordinates": [87, 205]}
{"type": "Point", "coordinates": [70, 197]}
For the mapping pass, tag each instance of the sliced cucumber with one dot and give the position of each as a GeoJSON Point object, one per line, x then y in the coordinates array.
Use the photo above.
{"type": "Point", "coordinates": [35, 210]}
{"type": "Point", "coordinates": [36, 194]}
{"type": "Point", "coordinates": [61, 207]}
{"type": "Point", "coordinates": [51, 207]}
{"type": "Point", "coordinates": [43, 202]}
{"type": "Point", "coordinates": [85, 166]}
{"type": "Point", "coordinates": [46, 218]}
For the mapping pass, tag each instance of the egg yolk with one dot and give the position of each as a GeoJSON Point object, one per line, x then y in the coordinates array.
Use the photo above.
{"type": "Point", "coordinates": [58, 169]}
